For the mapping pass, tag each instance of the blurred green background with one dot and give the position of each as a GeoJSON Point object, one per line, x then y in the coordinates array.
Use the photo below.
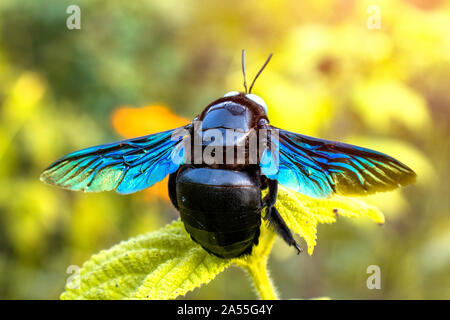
{"type": "Point", "coordinates": [331, 76]}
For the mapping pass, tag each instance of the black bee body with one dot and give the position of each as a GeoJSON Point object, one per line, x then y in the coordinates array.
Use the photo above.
{"type": "Point", "coordinates": [220, 203]}
{"type": "Point", "coordinates": [221, 209]}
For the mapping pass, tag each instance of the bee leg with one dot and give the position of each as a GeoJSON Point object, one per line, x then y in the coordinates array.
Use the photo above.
{"type": "Point", "coordinates": [173, 188]}
{"type": "Point", "coordinates": [274, 218]}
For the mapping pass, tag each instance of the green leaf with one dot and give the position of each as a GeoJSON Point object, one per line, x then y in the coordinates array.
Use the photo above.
{"type": "Point", "coordinates": [159, 265]}
{"type": "Point", "coordinates": [166, 263]}
{"type": "Point", "coordinates": [302, 214]}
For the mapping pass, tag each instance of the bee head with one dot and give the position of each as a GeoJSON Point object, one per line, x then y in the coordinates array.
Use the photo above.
{"type": "Point", "coordinates": [250, 96]}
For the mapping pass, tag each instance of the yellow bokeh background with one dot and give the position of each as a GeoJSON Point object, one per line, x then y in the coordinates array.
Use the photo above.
{"type": "Point", "coordinates": [145, 66]}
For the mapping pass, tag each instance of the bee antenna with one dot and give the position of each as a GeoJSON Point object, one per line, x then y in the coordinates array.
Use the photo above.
{"type": "Point", "coordinates": [259, 72]}
{"type": "Point", "coordinates": [243, 69]}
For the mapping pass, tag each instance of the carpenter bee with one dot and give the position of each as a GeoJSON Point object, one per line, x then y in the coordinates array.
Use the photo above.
{"type": "Point", "coordinates": [220, 163]}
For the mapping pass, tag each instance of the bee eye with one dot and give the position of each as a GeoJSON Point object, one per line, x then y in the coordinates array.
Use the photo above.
{"type": "Point", "coordinates": [230, 94]}
{"type": "Point", "coordinates": [263, 122]}
{"type": "Point", "coordinates": [258, 100]}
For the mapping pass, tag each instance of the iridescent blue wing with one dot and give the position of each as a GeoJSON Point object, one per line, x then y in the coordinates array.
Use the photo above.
{"type": "Point", "coordinates": [125, 166]}
{"type": "Point", "coordinates": [320, 168]}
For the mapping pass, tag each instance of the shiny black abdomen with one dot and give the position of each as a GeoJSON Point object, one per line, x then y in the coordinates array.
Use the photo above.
{"type": "Point", "coordinates": [221, 209]}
